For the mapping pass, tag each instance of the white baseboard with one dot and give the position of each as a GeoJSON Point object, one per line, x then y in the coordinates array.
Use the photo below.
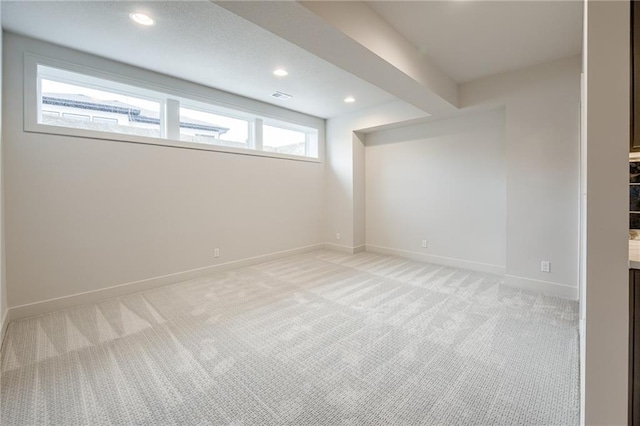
{"type": "Point", "coordinates": [344, 249]}
{"type": "Point", "coordinates": [3, 326]}
{"type": "Point", "coordinates": [439, 260]}
{"type": "Point", "coordinates": [546, 287]}
{"type": "Point", "coordinates": [43, 307]}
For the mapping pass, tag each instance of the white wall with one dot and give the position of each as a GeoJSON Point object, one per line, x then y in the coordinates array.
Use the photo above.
{"type": "Point", "coordinates": [442, 181]}
{"type": "Point", "coordinates": [607, 282]}
{"type": "Point", "coordinates": [542, 127]}
{"type": "Point", "coordinates": [3, 282]}
{"type": "Point", "coordinates": [84, 215]}
{"type": "Point", "coordinates": [542, 156]}
{"type": "Point", "coordinates": [345, 205]}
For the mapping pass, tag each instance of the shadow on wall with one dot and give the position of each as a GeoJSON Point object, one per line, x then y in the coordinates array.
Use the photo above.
{"type": "Point", "coordinates": [431, 127]}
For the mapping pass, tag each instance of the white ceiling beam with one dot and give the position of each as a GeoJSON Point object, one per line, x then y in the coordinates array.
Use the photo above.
{"type": "Point", "coordinates": [353, 37]}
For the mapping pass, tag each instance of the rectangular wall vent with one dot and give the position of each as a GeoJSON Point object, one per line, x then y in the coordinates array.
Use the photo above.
{"type": "Point", "coordinates": [281, 95]}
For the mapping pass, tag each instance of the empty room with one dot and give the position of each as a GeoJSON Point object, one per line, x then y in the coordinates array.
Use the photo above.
{"type": "Point", "coordinates": [318, 213]}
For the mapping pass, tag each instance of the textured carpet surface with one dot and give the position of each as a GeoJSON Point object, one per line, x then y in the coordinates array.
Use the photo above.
{"type": "Point", "coordinates": [317, 339]}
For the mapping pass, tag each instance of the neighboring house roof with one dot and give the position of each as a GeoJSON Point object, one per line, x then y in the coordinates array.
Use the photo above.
{"type": "Point", "coordinates": [135, 114]}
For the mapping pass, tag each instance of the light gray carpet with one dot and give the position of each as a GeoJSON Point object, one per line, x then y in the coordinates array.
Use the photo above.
{"type": "Point", "coordinates": [317, 339]}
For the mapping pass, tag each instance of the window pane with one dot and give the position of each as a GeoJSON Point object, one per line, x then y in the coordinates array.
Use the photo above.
{"type": "Point", "coordinates": [213, 129]}
{"type": "Point", "coordinates": [80, 107]}
{"type": "Point", "coordinates": [287, 141]}
{"type": "Point", "coordinates": [69, 100]}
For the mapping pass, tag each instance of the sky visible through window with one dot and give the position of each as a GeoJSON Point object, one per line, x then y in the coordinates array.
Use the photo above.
{"type": "Point", "coordinates": [49, 87]}
{"type": "Point", "coordinates": [278, 137]}
{"type": "Point", "coordinates": [238, 129]}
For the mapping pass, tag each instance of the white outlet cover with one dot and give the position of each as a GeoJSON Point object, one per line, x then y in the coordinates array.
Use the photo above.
{"type": "Point", "coordinates": [545, 266]}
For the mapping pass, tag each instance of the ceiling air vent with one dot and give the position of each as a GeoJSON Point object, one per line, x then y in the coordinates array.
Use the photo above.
{"type": "Point", "coordinates": [281, 95]}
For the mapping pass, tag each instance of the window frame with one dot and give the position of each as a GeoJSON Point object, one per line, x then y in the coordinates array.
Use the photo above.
{"type": "Point", "coordinates": [190, 99]}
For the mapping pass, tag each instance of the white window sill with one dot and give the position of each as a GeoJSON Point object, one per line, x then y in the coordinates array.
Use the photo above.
{"type": "Point", "coordinates": [121, 137]}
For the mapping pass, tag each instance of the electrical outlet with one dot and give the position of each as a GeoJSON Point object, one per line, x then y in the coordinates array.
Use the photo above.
{"type": "Point", "coordinates": [545, 266]}
{"type": "Point", "coordinates": [216, 252]}
{"type": "Point", "coordinates": [424, 243]}
{"type": "Point", "coordinates": [337, 236]}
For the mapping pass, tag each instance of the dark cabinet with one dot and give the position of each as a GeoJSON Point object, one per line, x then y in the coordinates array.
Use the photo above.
{"type": "Point", "coordinates": [634, 347]}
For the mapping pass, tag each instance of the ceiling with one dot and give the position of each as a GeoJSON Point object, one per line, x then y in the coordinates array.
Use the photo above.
{"type": "Point", "coordinates": [205, 43]}
{"type": "Point", "coordinates": [473, 39]}
{"type": "Point", "coordinates": [201, 42]}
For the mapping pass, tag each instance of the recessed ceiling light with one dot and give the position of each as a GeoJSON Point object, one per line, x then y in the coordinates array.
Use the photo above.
{"type": "Point", "coordinates": [349, 99]}
{"type": "Point", "coordinates": [280, 72]}
{"type": "Point", "coordinates": [141, 18]}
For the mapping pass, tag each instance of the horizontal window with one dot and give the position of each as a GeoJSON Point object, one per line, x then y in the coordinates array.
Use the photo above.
{"type": "Point", "coordinates": [94, 107]}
